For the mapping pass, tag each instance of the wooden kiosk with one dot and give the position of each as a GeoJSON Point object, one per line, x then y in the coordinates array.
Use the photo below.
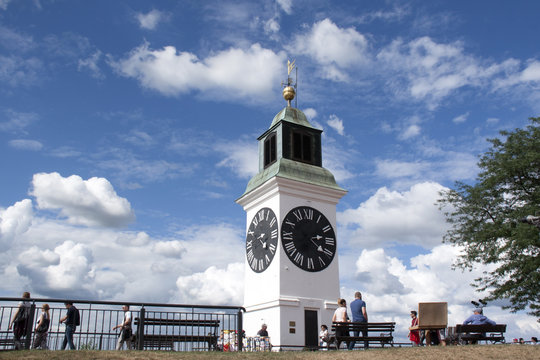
{"type": "Point", "coordinates": [432, 316]}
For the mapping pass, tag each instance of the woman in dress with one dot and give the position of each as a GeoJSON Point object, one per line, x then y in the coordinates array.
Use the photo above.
{"type": "Point", "coordinates": [42, 329]}
{"type": "Point", "coordinates": [414, 334]}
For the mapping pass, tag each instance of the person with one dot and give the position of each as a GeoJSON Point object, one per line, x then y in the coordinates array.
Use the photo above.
{"type": "Point", "coordinates": [263, 332]}
{"type": "Point", "coordinates": [72, 320]}
{"type": "Point", "coordinates": [477, 318]}
{"type": "Point", "coordinates": [264, 344]}
{"type": "Point", "coordinates": [324, 338]}
{"type": "Point", "coordinates": [125, 332]}
{"type": "Point", "coordinates": [19, 322]}
{"type": "Point", "coordinates": [414, 334]}
{"type": "Point", "coordinates": [42, 329]}
{"type": "Point", "coordinates": [340, 315]}
{"type": "Point", "coordinates": [534, 340]}
{"type": "Point", "coordinates": [359, 314]}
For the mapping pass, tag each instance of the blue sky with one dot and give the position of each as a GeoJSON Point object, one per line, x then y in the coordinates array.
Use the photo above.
{"type": "Point", "coordinates": [128, 129]}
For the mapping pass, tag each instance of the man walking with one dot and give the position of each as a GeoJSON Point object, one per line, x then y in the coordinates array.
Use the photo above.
{"type": "Point", "coordinates": [72, 320]}
{"type": "Point", "coordinates": [125, 332]}
{"type": "Point", "coordinates": [359, 314]}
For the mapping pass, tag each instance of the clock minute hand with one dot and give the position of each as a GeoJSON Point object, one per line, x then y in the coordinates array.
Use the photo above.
{"type": "Point", "coordinates": [319, 247]}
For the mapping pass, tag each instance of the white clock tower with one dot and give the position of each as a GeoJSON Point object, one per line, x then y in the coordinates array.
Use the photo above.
{"type": "Point", "coordinates": [291, 272]}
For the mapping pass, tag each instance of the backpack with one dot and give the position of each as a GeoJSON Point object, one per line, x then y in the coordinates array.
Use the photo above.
{"type": "Point", "coordinates": [77, 317]}
{"type": "Point", "coordinates": [22, 315]}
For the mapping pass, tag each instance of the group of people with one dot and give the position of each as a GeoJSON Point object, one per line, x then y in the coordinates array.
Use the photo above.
{"type": "Point", "coordinates": [20, 322]}
{"type": "Point", "coordinates": [21, 318]}
{"type": "Point", "coordinates": [477, 318]}
{"type": "Point", "coordinates": [359, 314]}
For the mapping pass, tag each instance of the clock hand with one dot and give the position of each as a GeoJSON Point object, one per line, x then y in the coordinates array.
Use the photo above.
{"type": "Point", "coordinates": [319, 247]}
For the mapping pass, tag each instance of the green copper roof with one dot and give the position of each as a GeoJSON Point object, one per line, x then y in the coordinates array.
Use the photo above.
{"type": "Point", "coordinates": [292, 115]}
{"type": "Point", "coordinates": [294, 170]}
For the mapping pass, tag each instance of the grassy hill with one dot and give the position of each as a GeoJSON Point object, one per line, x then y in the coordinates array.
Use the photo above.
{"type": "Point", "coordinates": [479, 352]}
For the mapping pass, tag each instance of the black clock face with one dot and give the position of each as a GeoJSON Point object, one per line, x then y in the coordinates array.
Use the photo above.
{"type": "Point", "coordinates": [261, 240]}
{"type": "Point", "coordinates": [308, 238]}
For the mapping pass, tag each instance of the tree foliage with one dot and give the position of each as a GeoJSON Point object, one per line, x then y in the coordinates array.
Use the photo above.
{"type": "Point", "coordinates": [485, 219]}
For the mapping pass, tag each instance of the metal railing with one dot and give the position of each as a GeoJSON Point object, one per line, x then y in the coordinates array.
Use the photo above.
{"type": "Point", "coordinates": [155, 326]}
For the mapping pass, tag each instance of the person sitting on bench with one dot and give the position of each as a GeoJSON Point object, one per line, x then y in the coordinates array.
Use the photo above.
{"type": "Point", "coordinates": [478, 318]}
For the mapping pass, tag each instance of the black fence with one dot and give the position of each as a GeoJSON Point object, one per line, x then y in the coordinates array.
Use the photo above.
{"type": "Point", "coordinates": [173, 327]}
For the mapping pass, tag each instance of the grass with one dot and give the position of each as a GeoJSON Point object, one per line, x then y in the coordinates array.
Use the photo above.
{"type": "Point", "coordinates": [471, 352]}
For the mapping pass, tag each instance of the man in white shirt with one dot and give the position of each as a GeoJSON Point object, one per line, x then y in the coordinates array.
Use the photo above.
{"type": "Point", "coordinates": [125, 333]}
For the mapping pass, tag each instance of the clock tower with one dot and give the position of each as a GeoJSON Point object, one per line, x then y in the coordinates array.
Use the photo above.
{"type": "Point", "coordinates": [291, 272]}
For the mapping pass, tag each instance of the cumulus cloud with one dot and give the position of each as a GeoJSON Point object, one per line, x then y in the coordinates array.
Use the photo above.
{"type": "Point", "coordinates": [230, 74]}
{"type": "Point", "coordinates": [150, 20]}
{"type": "Point", "coordinates": [334, 48]}
{"type": "Point", "coordinates": [66, 269]}
{"type": "Point", "coordinates": [337, 124]}
{"type": "Point", "coordinates": [392, 217]}
{"type": "Point", "coordinates": [214, 286]}
{"type": "Point", "coordinates": [91, 202]}
{"type": "Point", "coordinates": [15, 220]}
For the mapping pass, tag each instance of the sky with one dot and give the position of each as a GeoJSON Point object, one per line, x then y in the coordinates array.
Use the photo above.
{"type": "Point", "coordinates": [129, 128]}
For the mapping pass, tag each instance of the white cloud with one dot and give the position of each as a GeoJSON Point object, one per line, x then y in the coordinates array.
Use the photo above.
{"type": "Point", "coordinates": [430, 71]}
{"type": "Point", "coordinates": [230, 74]}
{"type": "Point", "coordinates": [214, 286]}
{"type": "Point", "coordinates": [17, 121]}
{"type": "Point", "coordinates": [150, 20]}
{"type": "Point", "coordinates": [410, 132]}
{"type": "Point", "coordinates": [337, 124]}
{"type": "Point", "coordinates": [66, 269]}
{"type": "Point", "coordinates": [4, 4]}
{"type": "Point", "coordinates": [460, 118]}
{"type": "Point", "coordinates": [15, 220]}
{"type": "Point", "coordinates": [25, 144]}
{"type": "Point", "coordinates": [91, 202]}
{"type": "Point", "coordinates": [91, 63]}
{"type": "Point", "coordinates": [334, 48]}
{"type": "Point", "coordinates": [389, 217]}
{"type": "Point", "coordinates": [286, 6]}
{"type": "Point", "coordinates": [271, 26]}
{"type": "Point", "coordinates": [398, 169]}
{"type": "Point", "coordinates": [242, 157]}
{"type": "Point", "coordinates": [310, 113]}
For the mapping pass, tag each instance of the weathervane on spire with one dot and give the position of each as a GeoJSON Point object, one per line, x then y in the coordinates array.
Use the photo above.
{"type": "Point", "coordinates": [289, 91]}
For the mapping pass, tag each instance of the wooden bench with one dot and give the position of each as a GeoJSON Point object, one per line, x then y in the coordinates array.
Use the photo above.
{"type": "Point", "coordinates": [383, 332]}
{"type": "Point", "coordinates": [485, 332]}
{"type": "Point", "coordinates": [163, 336]}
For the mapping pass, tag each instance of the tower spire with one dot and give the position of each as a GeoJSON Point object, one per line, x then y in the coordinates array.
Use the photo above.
{"type": "Point", "coordinates": [289, 91]}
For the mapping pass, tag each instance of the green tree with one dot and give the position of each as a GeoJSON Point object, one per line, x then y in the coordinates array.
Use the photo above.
{"type": "Point", "coordinates": [485, 219]}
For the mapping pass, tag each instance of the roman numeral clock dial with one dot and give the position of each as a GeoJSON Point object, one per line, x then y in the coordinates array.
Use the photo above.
{"type": "Point", "coordinates": [308, 239]}
{"type": "Point", "coordinates": [262, 239]}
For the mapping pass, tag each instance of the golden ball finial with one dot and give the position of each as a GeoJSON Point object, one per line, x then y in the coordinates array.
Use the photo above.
{"type": "Point", "coordinates": [288, 93]}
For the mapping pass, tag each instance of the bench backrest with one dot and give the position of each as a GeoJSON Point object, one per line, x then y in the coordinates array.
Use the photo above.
{"type": "Point", "coordinates": [460, 328]}
{"type": "Point", "coordinates": [358, 326]}
{"type": "Point", "coordinates": [178, 322]}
